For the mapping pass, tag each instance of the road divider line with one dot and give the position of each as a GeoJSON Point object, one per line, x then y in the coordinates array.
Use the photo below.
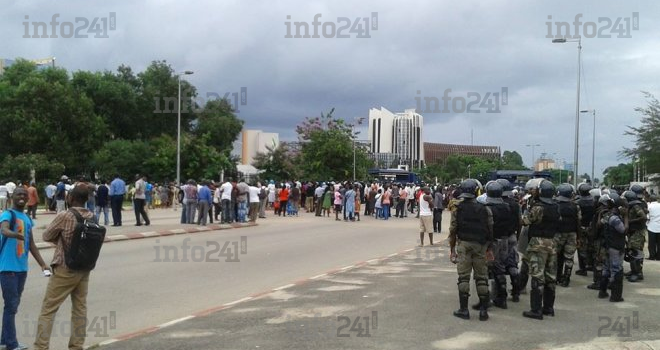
{"type": "Point", "coordinates": [318, 276]}
{"type": "Point", "coordinates": [173, 322]}
{"type": "Point", "coordinates": [238, 301]}
{"type": "Point", "coordinates": [284, 287]}
{"type": "Point", "coordinates": [392, 255]}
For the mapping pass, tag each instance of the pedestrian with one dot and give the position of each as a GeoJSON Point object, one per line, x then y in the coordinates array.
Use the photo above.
{"type": "Point", "coordinates": [116, 192]}
{"type": "Point", "coordinates": [284, 198]}
{"type": "Point", "coordinates": [102, 200]}
{"type": "Point", "coordinates": [33, 200]}
{"type": "Point", "coordinates": [309, 197]}
{"type": "Point", "coordinates": [242, 200]}
{"type": "Point", "coordinates": [470, 235]}
{"type": "Point", "coordinates": [50, 196]}
{"type": "Point", "coordinates": [653, 227]}
{"type": "Point", "coordinates": [190, 201]}
{"type": "Point", "coordinates": [17, 240]}
{"type": "Point", "coordinates": [295, 195]}
{"type": "Point", "coordinates": [318, 195]}
{"type": "Point", "coordinates": [385, 202]}
{"type": "Point", "coordinates": [60, 193]}
{"type": "Point", "coordinates": [350, 203]}
{"type": "Point", "coordinates": [11, 186]}
{"type": "Point", "coordinates": [225, 201]}
{"type": "Point", "coordinates": [253, 199]}
{"type": "Point", "coordinates": [426, 207]}
{"type": "Point", "coordinates": [4, 196]}
{"type": "Point", "coordinates": [438, 198]}
{"type": "Point", "coordinates": [543, 221]}
{"type": "Point", "coordinates": [263, 200]}
{"type": "Point", "coordinates": [65, 281]}
{"type": "Point", "coordinates": [140, 200]}
{"type": "Point", "coordinates": [357, 202]}
{"type": "Point", "coordinates": [338, 202]}
{"type": "Point", "coordinates": [217, 202]}
{"type": "Point", "coordinates": [203, 203]}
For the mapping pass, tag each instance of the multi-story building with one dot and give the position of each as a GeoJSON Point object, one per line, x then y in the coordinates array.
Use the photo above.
{"type": "Point", "coordinates": [396, 137]}
{"type": "Point", "coordinates": [257, 141]}
{"type": "Point", "coordinates": [437, 153]}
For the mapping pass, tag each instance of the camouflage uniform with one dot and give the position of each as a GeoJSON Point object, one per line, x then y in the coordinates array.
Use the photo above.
{"type": "Point", "coordinates": [541, 252]}
{"type": "Point", "coordinates": [598, 252]}
{"type": "Point", "coordinates": [637, 238]}
{"type": "Point", "coordinates": [470, 256]}
{"type": "Point", "coordinates": [566, 245]}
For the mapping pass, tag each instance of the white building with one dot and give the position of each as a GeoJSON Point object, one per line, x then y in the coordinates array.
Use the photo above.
{"type": "Point", "coordinates": [397, 135]}
{"type": "Point", "coordinates": [256, 141]}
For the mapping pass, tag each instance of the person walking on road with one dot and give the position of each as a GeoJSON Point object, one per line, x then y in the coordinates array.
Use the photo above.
{"type": "Point", "coordinates": [140, 200]}
{"type": "Point", "coordinates": [102, 199]}
{"type": "Point", "coordinates": [65, 282]}
{"type": "Point", "coordinates": [653, 227]}
{"type": "Point", "coordinates": [116, 193]}
{"type": "Point", "coordinates": [33, 201]}
{"type": "Point", "coordinates": [203, 203]}
{"type": "Point", "coordinates": [426, 207]}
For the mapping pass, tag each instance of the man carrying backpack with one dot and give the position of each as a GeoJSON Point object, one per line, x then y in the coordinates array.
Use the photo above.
{"type": "Point", "coordinates": [65, 280]}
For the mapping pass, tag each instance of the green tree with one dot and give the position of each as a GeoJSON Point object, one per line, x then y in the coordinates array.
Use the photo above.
{"type": "Point", "coordinates": [647, 136]}
{"type": "Point", "coordinates": [621, 174]}
{"type": "Point", "coordinates": [512, 160]}
{"type": "Point", "coordinates": [277, 163]}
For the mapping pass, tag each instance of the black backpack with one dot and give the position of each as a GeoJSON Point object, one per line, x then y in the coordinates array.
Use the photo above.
{"type": "Point", "coordinates": [85, 245]}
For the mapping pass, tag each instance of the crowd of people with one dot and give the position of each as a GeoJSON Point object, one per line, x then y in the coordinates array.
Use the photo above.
{"type": "Point", "coordinates": [535, 233]}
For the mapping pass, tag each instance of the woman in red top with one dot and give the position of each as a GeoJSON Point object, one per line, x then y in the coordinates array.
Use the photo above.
{"type": "Point", "coordinates": [284, 198]}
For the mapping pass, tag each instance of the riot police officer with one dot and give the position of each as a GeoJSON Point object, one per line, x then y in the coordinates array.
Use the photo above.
{"type": "Point", "coordinates": [531, 187]}
{"type": "Point", "coordinates": [502, 218]}
{"type": "Point", "coordinates": [570, 219]}
{"type": "Point", "coordinates": [514, 231]}
{"type": "Point", "coordinates": [543, 222]}
{"type": "Point", "coordinates": [637, 217]}
{"type": "Point", "coordinates": [470, 234]}
{"type": "Point", "coordinates": [587, 210]}
{"type": "Point", "coordinates": [615, 243]}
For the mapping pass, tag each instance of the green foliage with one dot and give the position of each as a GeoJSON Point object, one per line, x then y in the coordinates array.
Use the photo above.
{"type": "Point", "coordinates": [619, 175]}
{"type": "Point", "coordinates": [647, 136]}
{"type": "Point", "coordinates": [106, 123]}
{"type": "Point", "coordinates": [278, 163]}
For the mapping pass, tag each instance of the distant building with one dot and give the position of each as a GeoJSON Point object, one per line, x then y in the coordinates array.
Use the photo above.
{"type": "Point", "coordinates": [544, 164]}
{"type": "Point", "coordinates": [41, 63]}
{"type": "Point", "coordinates": [396, 137]}
{"type": "Point", "coordinates": [437, 153]}
{"type": "Point", "coordinates": [256, 141]}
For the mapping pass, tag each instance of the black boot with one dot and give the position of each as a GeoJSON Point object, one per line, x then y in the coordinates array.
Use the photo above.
{"type": "Point", "coordinates": [463, 312]}
{"type": "Point", "coordinates": [515, 288]}
{"type": "Point", "coordinates": [597, 276]}
{"type": "Point", "coordinates": [483, 312]}
{"type": "Point", "coordinates": [582, 271]}
{"type": "Point", "coordinates": [535, 302]}
{"type": "Point", "coordinates": [637, 274]}
{"type": "Point", "coordinates": [500, 287]}
{"type": "Point", "coordinates": [602, 293]}
{"type": "Point", "coordinates": [567, 276]}
{"type": "Point", "coordinates": [523, 278]}
{"type": "Point", "coordinates": [477, 306]}
{"type": "Point", "coordinates": [548, 301]}
{"type": "Point", "coordinates": [617, 288]}
{"type": "Point", "coordinates": [560, 268]}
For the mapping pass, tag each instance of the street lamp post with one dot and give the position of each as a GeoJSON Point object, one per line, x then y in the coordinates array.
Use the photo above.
{"type": "Point", "coordinates": [178, 130]}
{"type": "Point", "coordinates": [577, 107]}
{"type": "Point", "coordinates": [533, 159]}
{"type": "Point", "coordinates": [354, 134]}
{"type": "Point", "coordinates": [593, 144]}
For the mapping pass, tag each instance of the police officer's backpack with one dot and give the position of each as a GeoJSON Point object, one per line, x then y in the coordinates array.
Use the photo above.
{"type": "Point", "coordinates": [85, 245]}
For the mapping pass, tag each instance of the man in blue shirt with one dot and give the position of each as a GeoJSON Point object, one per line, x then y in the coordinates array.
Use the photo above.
{"type": "Point", "coordinates": [16, 240]}
{"type": "Point", "coordinates": [204, 203]}
{"type": "Point", "coordinates": [116, 192]}
{"type": "Point", "coordinates": [60, 193]}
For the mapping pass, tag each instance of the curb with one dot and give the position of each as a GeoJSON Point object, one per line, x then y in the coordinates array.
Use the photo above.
{"type": "Point", "coordinates": [149, 234]}
{"type": "Point", "coordinates": [255, 296]}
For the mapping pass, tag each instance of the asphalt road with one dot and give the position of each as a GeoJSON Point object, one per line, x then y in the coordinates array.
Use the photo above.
{"type": "Point", "coordinates": [134, 287]}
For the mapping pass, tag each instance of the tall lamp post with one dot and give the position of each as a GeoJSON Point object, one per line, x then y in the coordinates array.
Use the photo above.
{"type": "Point", "coordinates": [533, 159]}
{"type": "Point", "coordinates": [359, 122]}
{"type": "Point", "coordinates": [577, 107]}
{"type": "Point", "coordinates": [178, 129]}
{"type": "Point", "coordinates": [593, 144]}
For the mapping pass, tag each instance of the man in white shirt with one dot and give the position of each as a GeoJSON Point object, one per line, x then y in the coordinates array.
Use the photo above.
{"type": "Point", "coordinates": [139, 200]}
{"type": "Point", "coordinates": [4, 194]}
{"type": "Point", "coordinates": [253, 199]}
{"type": "Point", "coordinates": [653, 228]}
{"type": "Point", "coordinates": [225, 199]}
{"type": "Point", "coordinates": [10, 192]}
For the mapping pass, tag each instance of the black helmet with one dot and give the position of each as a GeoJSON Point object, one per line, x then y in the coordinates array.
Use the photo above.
{"type": "Point", "coordinates": [630, 196]}
{"type": "Point", "coordinates": [546, 191]}
{"type": "Point", "coordinates": [507, 188]}
{"type": "Point", "coordinates": [638, 190]}
{"type": "Point", "coordinates": [533, 184]}
{"type": "Point", "coordinates": [494, 192]}
{"type": "Point", "coordinates": [469, 188]}
{"type": "Point", "coordinates": [564, 192]}
{"type": "Point", "coordinates": [616, 199]}
{"type": "Point", "coordinates": [584, 189]}
{"type": "Point", "coordinates": [605, 199]}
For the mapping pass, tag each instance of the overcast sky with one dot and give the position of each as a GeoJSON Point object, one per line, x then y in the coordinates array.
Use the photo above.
{"type": "Point", "coordinates": [426, 46]}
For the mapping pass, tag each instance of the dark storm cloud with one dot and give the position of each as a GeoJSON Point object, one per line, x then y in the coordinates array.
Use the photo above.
{"type": "Point", "coordinates": [426, 46]}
